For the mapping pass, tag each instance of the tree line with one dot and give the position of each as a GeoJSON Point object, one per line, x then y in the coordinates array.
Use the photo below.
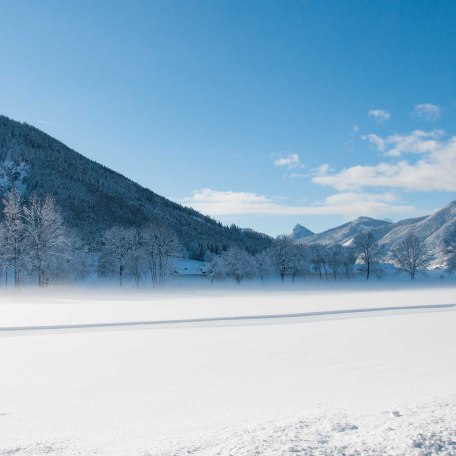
{"type": "Point", "coordinates": [37, 246]}
{"type": "Point", "coordinates": [363, 256]}
{"type": "Point", "coordinates": [36, 243]}
{"type": "Point", "coordinates": [285, 259]}
{"type": "Point", "coordinates": [137, 253]}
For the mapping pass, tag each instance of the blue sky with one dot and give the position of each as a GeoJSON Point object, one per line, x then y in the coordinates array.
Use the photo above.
{"type": "Point", "coordinates": [259, 113]}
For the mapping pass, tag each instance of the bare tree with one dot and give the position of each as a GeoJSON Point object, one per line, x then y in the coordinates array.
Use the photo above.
{"type": "Point", "coordinates": [298, 260]}
{"type": "Point", "coordinates": [318, 259]}
{"type": "Point", "coordinates": [335, 255]}
{"type": "Point", "coordinates": [239, 263]}
{"type": "Point", "coordinates": [46, 237]}
{"type": "Point", "coordinates": [160, 245]}
{"type": "Point", "coordinates": [14, 231]}
{"type": "Point", "coordinates": [4, 253]}
{"type": "Point", "coordinates": [348, 260]}
{"type": "Point", "coordinates": [79, 262]}
{"type": "Point", "coordinates": [216, 268]}
{"type": "Point", "coordinates": [117, 246]}
{"type": "Point", "coordinates": [263, 264]}
{"type": "Point", "coordinates": [365, 246]}
{"type": "Point", "coordinates": [138, 262]}
{"type": "Point", "coordinates": [283, 256]}
{"type": "Point", "coordinates": [411, 255]}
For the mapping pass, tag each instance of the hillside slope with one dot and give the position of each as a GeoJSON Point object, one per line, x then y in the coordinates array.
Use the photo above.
{"type": "Point", "coordinates": [93, 198]}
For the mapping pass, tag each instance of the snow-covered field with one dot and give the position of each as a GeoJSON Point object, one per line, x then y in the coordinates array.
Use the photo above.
{"type": "Point", "coordinates": [337, 382]}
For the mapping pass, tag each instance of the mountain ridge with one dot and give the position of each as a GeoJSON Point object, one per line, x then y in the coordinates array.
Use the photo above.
{"type": "Point", "coordinates": [300, 231]}
{"type": "Point", "coordinates": [344, 233]}
{"type": "Point", "coordinates": [432, 229]}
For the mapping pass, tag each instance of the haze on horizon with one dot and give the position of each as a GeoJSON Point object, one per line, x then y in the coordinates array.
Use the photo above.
{"type": "Point", "coordinates": [262, 114]}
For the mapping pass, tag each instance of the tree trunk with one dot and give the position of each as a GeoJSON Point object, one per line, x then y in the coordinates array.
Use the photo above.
{"type": "Point", "coordinates": [16, 275]}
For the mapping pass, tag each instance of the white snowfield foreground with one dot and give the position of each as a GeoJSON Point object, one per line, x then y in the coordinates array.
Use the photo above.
{"type": "Point", "coordinates": [229, 373]}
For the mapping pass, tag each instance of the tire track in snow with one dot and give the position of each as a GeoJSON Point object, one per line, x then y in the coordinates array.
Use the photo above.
{"type": "Point", "coordinates": [46, 329]}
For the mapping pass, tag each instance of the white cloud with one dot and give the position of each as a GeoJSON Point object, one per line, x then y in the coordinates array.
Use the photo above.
{"type": "Point", "coordinates": [434, 171]}
{"type": "Point", "coordinates": [353, 204]}
{"type": "Point", "coordinates": [321, 170]}
{"type": "Point", "coordinates": [427, 111]}
{"type": "Point", "coordinates": [375, 140]}
{"type": "Point", "coordinates": [379, 115]}
{"type": "Point", "coordinates": [290, 161]}
{"type": "Point", "coordinates": [348, 204]}
{"type": "Point", "coordinates": [417, 142]}
{"type": "Point", "coordinates": [213, 202]}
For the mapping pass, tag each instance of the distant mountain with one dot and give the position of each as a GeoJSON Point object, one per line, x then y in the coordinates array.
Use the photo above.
{"type": "Point", "coordinates": [299, 232]}
{"type": "Point", "coordinates": [345, 233]}
{"type": "Point", "coordinates": [431, 229]}
{"type": "Point", "coordinates": [94, 198]}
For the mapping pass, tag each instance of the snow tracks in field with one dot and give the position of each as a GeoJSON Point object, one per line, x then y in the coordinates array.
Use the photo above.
{"type": "Point", "coordinates": [230, 320]}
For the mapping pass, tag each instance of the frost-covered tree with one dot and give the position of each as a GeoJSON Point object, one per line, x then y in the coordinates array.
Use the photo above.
{"type": "Point", "coordinates": [365, 246]}
{"type": "Point", "coordinates": [117, 247]}
{"type": "Point", "coordinates": [318, 258]}
{"type": "Point", "coordinates": [348, 261]}
{"type": "Point", "coordinates": [263, 264]}
{"type": "Point", "coordinates": [137, 266]}
{"type": "Point", "coordinates": [238, 263]}
{"type": "Point", "coordinates": [4, 254]}
{"type": "Point", "coordinates": [216, 268]}
{"type": "Point", "coordinates": [46, 238]}
{"type": "Point", "coordinates": [75, 264]}
{"type": "Point", "coordinates": [13, 223]}
{"type": "Point", "coordinates": [299, 260]}
{"type": "Point", "coordinates": [335, 255]}
{"type": "Point", "coordinates": [411, 255]}
{"type": "Point", "coordinates": [161, 246]}
{"type": "Point", "coordinates": [283, 256]}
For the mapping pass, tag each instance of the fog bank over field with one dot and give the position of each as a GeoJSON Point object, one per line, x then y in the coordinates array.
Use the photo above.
{"type": "Point", "coordinates": [103, 305]}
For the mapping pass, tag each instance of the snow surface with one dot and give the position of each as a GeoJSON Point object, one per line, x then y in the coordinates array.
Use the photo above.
{"type": "Point", "coordinates": [382, 382]}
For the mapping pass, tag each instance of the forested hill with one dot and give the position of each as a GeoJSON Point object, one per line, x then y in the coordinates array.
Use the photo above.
{"type": "Point", "coordinates": [94, 198]}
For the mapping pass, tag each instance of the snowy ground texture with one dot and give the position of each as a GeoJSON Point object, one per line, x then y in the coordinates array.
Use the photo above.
{"type": "Point", "coordinates": [345, 383]}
